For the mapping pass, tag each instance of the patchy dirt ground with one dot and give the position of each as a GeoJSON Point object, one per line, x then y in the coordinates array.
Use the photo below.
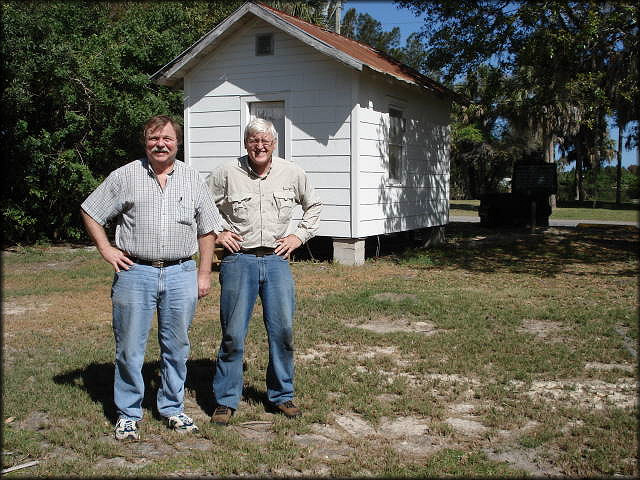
{"type": "Point", "coordinates": [15, 307]}
{"type": "Point", "coordinates": [413, 437]}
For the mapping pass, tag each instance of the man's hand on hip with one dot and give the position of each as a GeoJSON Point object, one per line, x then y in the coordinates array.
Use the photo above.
{"type": "Point", "coordinates": [229, 240]}
{"type": "Point", "coordinates": [287, 245]}
{"type": "Point", "coordinates": [115, 257]}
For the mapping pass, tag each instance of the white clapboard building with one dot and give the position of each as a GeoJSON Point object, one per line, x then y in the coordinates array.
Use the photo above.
{"type": "Point", "coordinates": [372, 134]}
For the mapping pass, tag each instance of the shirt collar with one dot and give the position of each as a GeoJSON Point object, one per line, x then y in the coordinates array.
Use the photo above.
{"type": "Point", "coordinates": [147, 165]}
{"type": "Point", "coordinates": [247, 164]}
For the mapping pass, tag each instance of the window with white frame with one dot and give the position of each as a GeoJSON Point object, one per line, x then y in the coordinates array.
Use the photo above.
{"type": "Point", "coordinates": [397, 147]}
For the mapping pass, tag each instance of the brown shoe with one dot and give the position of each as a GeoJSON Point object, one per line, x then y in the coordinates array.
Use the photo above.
{"type": "Point", "coordinates": [289, 409]}
{"type": "Point", "coordinates": [221, 415]}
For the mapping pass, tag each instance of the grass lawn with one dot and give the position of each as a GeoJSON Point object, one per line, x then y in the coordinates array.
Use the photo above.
{"type": "Point", "coordinates": [500, 353]}
{"type": "Point", "coordinates": [629, 212]}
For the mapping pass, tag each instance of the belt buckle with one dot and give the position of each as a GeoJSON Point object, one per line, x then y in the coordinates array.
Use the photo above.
{"type": "Point", "coordinates": [157, 263]}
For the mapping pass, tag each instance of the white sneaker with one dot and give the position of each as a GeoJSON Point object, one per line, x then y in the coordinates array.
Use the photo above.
{"type": "Point", "coordinates": [182, 423]}
{"type": "Point", "coordinates": [126, 429]}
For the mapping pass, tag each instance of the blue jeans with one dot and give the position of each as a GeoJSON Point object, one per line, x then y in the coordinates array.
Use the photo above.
{"type": "Point", "coordinates": [136, 294]}
{"type": "Point", "coordinates": [242, 278]}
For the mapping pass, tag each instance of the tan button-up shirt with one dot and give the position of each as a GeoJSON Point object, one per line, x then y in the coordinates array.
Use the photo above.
{"type": "Point", "coordinates": [259, 208]}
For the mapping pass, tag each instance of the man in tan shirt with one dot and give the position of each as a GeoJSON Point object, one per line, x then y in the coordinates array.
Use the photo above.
{"type": "Point", "coordinates": [256, 195]}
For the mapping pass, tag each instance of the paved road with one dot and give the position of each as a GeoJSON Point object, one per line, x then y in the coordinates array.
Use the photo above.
{"type": "Point", "coordinates": [552, 222]}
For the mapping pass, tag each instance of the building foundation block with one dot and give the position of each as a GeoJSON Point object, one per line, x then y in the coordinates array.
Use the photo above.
{"type": "Point", "coordinates": [348, 251]}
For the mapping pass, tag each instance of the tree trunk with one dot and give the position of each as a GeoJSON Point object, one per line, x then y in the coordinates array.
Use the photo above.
{"type": "Point", "coordinates": [471, 185]}
{"type": "Point", "coordinates": [592, 164]}
{"type": "Point", "coordinates": [579, 190]}
{"type": "Point", "coordinates": [619, 166]}
{"type": "Point", "coordinates": [549, 157]}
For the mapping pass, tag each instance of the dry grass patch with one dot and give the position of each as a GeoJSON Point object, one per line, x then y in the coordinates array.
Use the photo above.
{"type": "Point", "coordinates": [319, 280]}
{"type": "Point", "coordinates": [72, 306]}
{"type": "Point", "coordinates": [387, 324]}
{"type": "Point", "coordinates": [609, 366]}
{"type": "Point", "coordinates": [323, 353]}
{"type": "Point", "coordinates": [22, 306]}
{"type": "Point", "coordinates": [589, 394]}
{"type": "Point", "coordinates": [498, 354]}
{"type": "Point", "coordinates": [547, 330]}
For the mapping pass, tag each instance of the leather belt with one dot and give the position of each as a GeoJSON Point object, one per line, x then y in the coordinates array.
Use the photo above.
{"type": "Point", "coordinates": [160, 263]}
{"type": "Point", "coordinates": [258, 251]}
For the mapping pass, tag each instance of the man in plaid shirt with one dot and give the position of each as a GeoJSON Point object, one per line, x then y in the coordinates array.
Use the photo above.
{"type": "Point", "coordinates": [164, 213]}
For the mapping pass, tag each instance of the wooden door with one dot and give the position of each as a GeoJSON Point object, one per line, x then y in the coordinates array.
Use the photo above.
{"type": "Point", "coordinates": [274, 112]}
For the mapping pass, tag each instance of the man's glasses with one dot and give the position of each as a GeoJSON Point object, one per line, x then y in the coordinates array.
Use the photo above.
{"type": "Point", "coordinates": [257, 141]}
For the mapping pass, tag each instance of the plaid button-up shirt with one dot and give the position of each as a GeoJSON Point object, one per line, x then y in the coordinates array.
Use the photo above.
{"type": "Point", "coordinates": [260, 208]}
{"type": "Point", "coordinates": [152, 223]}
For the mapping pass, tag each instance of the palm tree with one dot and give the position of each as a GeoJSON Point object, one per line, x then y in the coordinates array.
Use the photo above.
{"type": "Point", "coordinates": [549, 114]}
{"type": "Point", "coordinates": [624, 91]}
{"type": "Point", "coordinates": [318, 12]}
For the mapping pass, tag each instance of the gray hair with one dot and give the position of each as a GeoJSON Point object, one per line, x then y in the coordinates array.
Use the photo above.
{"type": "Point", "coordinates": [260, 125]}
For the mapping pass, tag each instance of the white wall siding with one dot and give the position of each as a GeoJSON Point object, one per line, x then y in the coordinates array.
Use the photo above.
{"type": "Point", "coordinates": [436, 190]}
{"type": "Point", "coordinates": [222, 134]}
{"type": "Point", "coordinates": [216, 104]}
{"type": "Point", "coordinates": [214, 119]}
{"type": "Point", "coordinates": [380, 181]}
{"type": "Point", "coordinates": [330, 180]}
{"type": "Point", "coordinates": [420, 197]}
{"type": "Point", "coordinates": [401, 223]}
{"type": "Point", "coordinates": [318, 101]}
{"type": "Point", "coordinates": [400, 209]}
{"type": "Point", "coordinates": [320, 131]}
{"type": "Point", "coordinates": [214, 149]}
{"type": "Point", "coordinates": [334, 196]}
{"type": "Point", "coordinates": [323, 163]}
{"type": "Point", "coordinates": [314, 148]}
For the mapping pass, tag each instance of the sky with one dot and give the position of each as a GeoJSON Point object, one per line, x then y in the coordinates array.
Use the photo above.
{"type": "Point", "coordinates": [389, 15]}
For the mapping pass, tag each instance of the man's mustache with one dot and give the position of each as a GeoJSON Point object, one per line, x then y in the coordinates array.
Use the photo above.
{"type": "Point", "coordinates": [160, 149]}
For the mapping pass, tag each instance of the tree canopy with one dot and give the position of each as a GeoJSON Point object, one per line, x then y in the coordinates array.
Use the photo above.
{"type": "Point", "coordinates": [75, 93]}
{"type": "Point", "coordinates": [568, 66]}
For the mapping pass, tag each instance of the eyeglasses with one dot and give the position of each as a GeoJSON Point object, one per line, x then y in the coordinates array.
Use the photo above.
{"type": "Point", "coordinates": [257, 141]}
{"type": "Point", "coordinates": [156, 139]}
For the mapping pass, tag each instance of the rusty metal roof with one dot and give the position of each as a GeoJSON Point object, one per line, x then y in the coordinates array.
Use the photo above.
{"type": "Point", "coordinates": [355, 54]}
{"type": "Point", "coordinates": [371, 57]}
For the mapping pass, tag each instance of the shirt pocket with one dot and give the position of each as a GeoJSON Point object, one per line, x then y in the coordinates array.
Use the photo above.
{"type": "Point", "coordinates": [186, 212]}
{"type": "Point", "coordinates": [285, 202]}
{"type": "Point", "coordinates": [240, 207]}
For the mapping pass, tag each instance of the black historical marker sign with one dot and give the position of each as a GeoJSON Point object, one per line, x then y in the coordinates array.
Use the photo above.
{"type": "Point", "coordinates": [532, 179]}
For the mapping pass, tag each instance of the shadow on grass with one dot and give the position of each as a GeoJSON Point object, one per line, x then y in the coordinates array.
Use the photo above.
{"type": "Point", "coordinates": [97, 380]}
{"type": "Point", "coordinates": [544, 253]}
{"type": "Point", "coordinates": [470, 246]}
